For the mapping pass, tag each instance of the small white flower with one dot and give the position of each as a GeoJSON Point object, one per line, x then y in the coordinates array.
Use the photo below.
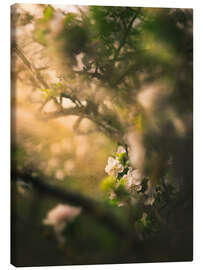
{"type": "Point", "coordinates": [59, 216]}
{"type": "Point", "coordinates": [133, 179]}
{"type": "Point", "coordinates": [121, 150]}
{"type": "Point", "coordinates": [112, 195]}
{"type": "Point", "coordinates": [113, 167]}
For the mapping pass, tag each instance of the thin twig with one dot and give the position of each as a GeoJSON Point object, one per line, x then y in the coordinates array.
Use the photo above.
{"type": "Point", "coordinates": [36, 74]}
{"type": "Point", "coordinates": [126, 34]}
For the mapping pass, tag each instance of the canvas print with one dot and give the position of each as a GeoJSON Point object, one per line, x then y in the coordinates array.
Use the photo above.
{"type": "Point", "coordinates": [101, 135]}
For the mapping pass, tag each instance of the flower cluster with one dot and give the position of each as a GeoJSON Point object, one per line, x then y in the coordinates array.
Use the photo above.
{"type": "Point", "coordinates": [128, 181]}
{"type": "Point", "coordinates": [129, 187]}
{"type": "Point", "coordinates": [125, 183]}
{"type": "Point", "coordinates": [113, 167]}
{"type": "Point", "coordinates": [133, 179]}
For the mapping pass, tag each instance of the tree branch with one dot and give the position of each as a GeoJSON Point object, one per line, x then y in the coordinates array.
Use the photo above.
{"type": "Point", "coordinates": [34, 71]}
{"type": "Point", "coordinates": [84, 112]}
{"type": "Point", "coordinates": [64, 112]}
{"type": "Point", "coordinates": [88, 205]}
{"type": "Point", "coordinates": [38, 79]}
{"type": "Point", "coordinates": [80, 110]}
{"type": "Point", "coordinates": [91, 207]}
{"type": "Point", "coordinates": [126, 34]}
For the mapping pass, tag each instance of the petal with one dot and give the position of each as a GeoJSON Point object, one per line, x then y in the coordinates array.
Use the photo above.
{"type": "Point", "coordinates": [121, 150]}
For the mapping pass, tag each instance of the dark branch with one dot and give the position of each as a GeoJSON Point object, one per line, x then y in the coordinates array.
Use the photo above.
{"type": "Point", "coordinates": [88, 205]}
{"type": "Point", "coordinates": [126, 34]}
{"type": "Point", "coordinates": [90, 111]}
{"type": "Point", "coordinates": [56, 114]}
{"type": "Point", "coordinates": [91, 207]}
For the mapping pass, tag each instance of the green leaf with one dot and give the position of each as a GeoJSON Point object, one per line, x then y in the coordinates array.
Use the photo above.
{"type": "Point", "coordinates": [114, 202]}
{"type": "Point", "coordinates": [47, 93]}
{"type": "Point", "coordinates": [121, 192]}
{"type": "Point", "coordinates": [122, 158]}
{"type": "Point", "coordinates": [48, 13]}
{"type": "Point", "coordinates": [108, 183]}
{"type": "Point", "coordinates": [70, 18]}
{"type": "Point", "coordinates": [39, 36]}
{"type": "Point", "coordinates": [45, 90]}
{"type": "Point", "coordinates": [122, 182]}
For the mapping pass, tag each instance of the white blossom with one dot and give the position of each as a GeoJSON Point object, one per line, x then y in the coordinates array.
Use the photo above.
{"type": "Point", "coordinates": [121, 150]}
{"type": "Point", "coordinates": [59, 216]}
{"type": "Point", "coordinates": [112, 195]}
{"type": "Point", "coordinates": [113, 167]}
{"type": "Point", "coordinates": [133, 179]}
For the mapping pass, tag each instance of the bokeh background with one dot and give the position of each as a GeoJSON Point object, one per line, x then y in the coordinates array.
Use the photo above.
{"type": "Point", "coordinates": [84, 80]}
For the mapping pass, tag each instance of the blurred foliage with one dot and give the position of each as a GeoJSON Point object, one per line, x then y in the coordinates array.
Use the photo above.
{"type": "Point", "coordinates": [89, 79]}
